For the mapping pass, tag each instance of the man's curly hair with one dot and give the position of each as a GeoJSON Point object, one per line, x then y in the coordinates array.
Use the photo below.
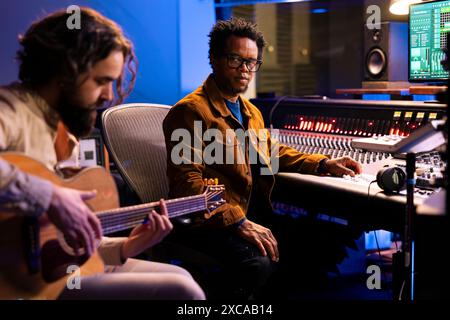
{"type": "Point", "coordinates": [51, 50]}
{"type": "Point", "coordinates": [238, 27]}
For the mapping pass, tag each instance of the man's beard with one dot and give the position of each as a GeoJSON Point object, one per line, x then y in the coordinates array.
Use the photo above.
{"type": "Point", "coordinates": [236, 90]}
{"type": "Point", "coordinates": [239, 90]}
{"type": "Point", "coordinates": [78, 119]}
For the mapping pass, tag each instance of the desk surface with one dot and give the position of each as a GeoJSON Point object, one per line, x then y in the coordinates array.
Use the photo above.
{"type": "Point", "coordinates": [358, 91]}
{"type": "Point", "coordinates": [395, 91]}
{"type": "Point", "coordinates": [427, 89]}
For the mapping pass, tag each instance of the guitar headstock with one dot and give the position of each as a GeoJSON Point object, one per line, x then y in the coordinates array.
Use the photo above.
{"type": "Point", "coordinates": [213, 195]}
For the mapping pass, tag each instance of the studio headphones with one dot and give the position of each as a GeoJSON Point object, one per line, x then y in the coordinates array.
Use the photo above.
{"type": "Point", "coordinates": [391, 179]}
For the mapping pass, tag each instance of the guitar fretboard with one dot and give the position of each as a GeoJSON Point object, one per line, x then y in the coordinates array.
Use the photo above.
{"type": "Point", "coordinates": [128, 217]}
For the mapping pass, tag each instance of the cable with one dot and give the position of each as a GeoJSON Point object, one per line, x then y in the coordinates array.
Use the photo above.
{"type": "Point", "coordinates": [401, 290]}
{"type": "Point", "coordinates": [378, 246]}
{"type": "Point", "coordinates": [368, 189]}
{"type": "Point", "coordinates": [275, 106]}
{"type": "Point", "coordinates": [379, 254]}
{"type": "Point", "coordinates": [374, 232]}
{"type": "Point", "coordinates": [290, 96]}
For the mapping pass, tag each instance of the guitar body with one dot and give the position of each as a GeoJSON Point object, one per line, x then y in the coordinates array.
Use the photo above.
{"type": "Point", "coordinates": [33, 263]}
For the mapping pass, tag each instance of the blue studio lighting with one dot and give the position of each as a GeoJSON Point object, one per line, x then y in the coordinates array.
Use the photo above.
{"type": "Point", "coordinates": [319, 10]}
{"type": "Point", "coordinates": [376, 96]}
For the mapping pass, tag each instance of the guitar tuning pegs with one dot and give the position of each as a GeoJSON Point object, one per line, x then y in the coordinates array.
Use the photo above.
{"type": "Point", "coordinates": [211, 182]}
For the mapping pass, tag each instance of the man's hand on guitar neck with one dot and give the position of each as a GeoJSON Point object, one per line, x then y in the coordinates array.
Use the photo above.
{"type": "Point", "coordinates": [74, 219]}
{"type": "Point", "coordinates": [146, 235]}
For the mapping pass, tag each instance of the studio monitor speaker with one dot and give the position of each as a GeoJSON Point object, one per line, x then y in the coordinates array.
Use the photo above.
{"type": "Point", "coordinates": [386, 52]}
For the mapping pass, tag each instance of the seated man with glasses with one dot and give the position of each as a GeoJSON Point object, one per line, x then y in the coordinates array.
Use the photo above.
{"type": "Point", "coordinates": [235, 62]}
{"type": "Point", "coordinates": [248, 250]}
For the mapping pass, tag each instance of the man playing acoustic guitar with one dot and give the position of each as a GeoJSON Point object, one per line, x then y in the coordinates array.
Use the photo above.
{"type": "Point", "coordinates": [65, 75]}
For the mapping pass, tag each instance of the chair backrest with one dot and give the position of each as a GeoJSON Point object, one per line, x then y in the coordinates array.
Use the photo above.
{"type": "Point", "coordinates": [134, 137]}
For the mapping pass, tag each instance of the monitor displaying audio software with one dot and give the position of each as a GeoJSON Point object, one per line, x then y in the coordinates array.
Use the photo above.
{"type": "Point", "coordinates": [429, 23]}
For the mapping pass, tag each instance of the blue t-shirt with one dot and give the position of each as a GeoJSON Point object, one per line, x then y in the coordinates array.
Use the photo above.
{"type": "Point", "coordinates": [235, 109]}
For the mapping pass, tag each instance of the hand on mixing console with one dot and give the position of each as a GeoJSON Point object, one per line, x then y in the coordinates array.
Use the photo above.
{"type": "Point", "coordinates": [342, 166]}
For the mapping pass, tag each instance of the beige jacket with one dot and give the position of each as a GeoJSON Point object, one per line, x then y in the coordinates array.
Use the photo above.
{"type": "Point", "coordinates": [28, 125]}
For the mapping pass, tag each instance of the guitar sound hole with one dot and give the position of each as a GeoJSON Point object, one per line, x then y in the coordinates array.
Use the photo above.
{"type": "Point", "coordinates": [68, 247]}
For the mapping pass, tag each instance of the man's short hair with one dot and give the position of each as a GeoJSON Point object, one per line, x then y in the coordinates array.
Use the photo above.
{"type": "Point", "coordinates": [238, 27]}
{"type": "Point", "coordinates": [51, 50]}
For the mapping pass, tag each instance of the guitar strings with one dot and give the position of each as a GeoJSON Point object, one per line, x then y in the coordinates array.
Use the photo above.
{"type": "Point", "coordinates": [112, 223]}
{"type": "Point", "coordinates": [121, 222]}
{"type": "Point", "coordinates": [174, 206]}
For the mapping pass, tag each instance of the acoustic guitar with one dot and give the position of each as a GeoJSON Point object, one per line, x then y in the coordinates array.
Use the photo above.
{"type": "Point", "coordinates": [36, 261]}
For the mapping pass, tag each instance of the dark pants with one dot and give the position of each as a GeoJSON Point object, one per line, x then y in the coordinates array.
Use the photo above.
{"type": "Point", "coordinates": [241, 272]}
{"type": "Point", "coordinates": [309, 250]}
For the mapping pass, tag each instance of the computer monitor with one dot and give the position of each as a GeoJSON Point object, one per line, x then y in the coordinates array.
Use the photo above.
{"type": "Point", "coordinates": [429, 23]}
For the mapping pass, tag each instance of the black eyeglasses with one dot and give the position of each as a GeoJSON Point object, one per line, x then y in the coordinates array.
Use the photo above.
{"type": "Point", "coordinates": [235, 62]}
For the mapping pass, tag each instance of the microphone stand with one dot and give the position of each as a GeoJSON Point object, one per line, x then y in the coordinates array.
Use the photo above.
{"type": "Point", "coordinates": [408, 239]}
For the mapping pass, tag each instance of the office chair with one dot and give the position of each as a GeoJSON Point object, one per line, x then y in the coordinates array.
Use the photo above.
{"type": "Point", "coordinates": [134, 137]}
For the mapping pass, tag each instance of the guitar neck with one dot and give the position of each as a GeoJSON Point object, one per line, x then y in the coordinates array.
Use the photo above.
{"type": "Point", "coordinates": [128, 217]}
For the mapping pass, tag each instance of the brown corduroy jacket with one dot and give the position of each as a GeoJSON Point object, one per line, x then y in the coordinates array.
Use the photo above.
{"type": "Point", "coordinates": [207, 106]}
